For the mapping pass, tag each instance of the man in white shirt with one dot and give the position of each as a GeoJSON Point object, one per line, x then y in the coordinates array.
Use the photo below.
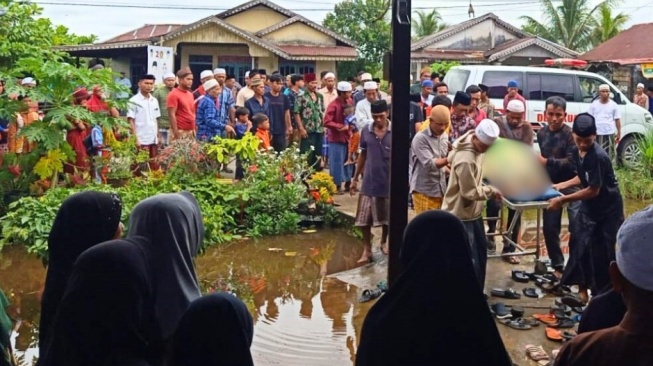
{"type": "Point", "coordinates": [143, 114]}
{"type": "Point", "coordinates": [364, 107]}
{"type": "Point", "coordinates": [608, 122]}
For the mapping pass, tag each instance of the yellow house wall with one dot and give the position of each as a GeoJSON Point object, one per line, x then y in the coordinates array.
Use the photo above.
{"type": "Point", "coordinates": [299, 33]}
{"type": "Point", "coordinates": [256, 19]}
{"type": "Point", "coordinates": [268, 63]}
{"type": "Point", "coordinates": [324, 66]}
{"type": "Point", "coordinates": [187, 50]}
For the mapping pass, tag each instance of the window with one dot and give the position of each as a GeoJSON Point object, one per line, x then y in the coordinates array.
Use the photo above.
{"type": "Point", "coordinates": [291, 67]}
{"type": "Point", "coordinates": [589, 88]}
{"type": "Point", "coordinates": [497, 81]}
{"type": "Point", "coordinates": [456, 80]}
{"type": "Point", "coordinates": [544, 86]}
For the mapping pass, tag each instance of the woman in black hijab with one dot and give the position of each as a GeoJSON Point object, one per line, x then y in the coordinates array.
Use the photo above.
{"type": "Point", "coordinates": [173, 225]}
{"type": "Point", "coordinates": [435, 313]}
{"type": "Point", "coordinates": [83, 220]}
{"type": "Point", "coordinates": [102, 317]}
{"type": "Point", "coordinates": [216, 330]}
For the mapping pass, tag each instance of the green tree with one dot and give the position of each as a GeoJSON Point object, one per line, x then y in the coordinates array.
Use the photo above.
{"type": "Point", "coordinates": [364, 22]}
{"type": "Point", "coordinates": [426, 24]}
{"type": "Point", "coordinates": [570, 24]}
{"type": "Point", "coordinates": [608, 24]}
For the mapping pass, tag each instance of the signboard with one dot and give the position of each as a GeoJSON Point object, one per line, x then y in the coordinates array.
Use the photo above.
{"type": "Point", "coordinates": [160, 60]}
{"type": "Point", "coordinates": [647, 70]}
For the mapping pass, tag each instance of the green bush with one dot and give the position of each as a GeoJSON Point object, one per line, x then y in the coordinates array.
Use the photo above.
{"type": "Point", "coordinates": [635, 184]}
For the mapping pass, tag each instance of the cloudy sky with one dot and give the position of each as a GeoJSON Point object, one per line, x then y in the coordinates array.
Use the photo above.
{"type": "Point", "coordinates": [108, 18]}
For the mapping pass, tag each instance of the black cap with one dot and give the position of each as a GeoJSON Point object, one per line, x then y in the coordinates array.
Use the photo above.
{"type": "Point", "coordinates": [584, 125]}
{"type": "Point", "coordinates": [462, 98]}
{"type": "Point", "coordinates": [379, 106]}
{"type": "Point", "coordinates": [484, 87]}
{"type": "Point", "coordinates": [262, 71]}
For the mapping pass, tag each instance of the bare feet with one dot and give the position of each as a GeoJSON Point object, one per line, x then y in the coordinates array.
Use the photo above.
{"type": "Point", "coordinates": [557, 274]}
{"type": "Point", "coordinates": [512, 259]}
{"type": "Point", "coordinates": [366, 257]}
{"type": "Point", "coordinates": [584, 297]}
{"type": "Point", "coordinates": [384, 249]}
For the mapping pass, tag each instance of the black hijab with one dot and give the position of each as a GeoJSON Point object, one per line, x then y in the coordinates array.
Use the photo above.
{"type": "Point", "coordinates": [83, 220]}
{"type": "Point", "coordinates": [216, 330]}
{"type": "Point", "coordinates": [103, 314]}
{"type": "Point", "coordinates": [435, 313]}
{"type": "Point", "coordinates": [173, 224]}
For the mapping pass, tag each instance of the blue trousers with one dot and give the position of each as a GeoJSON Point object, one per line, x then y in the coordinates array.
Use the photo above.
{"type": "Point", "coordinates": [337, 158]}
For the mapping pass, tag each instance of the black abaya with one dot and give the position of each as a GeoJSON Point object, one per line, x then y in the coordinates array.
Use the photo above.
{"type": "Point", "coordinates": [435, 313]}
{"type": "Point", "coordinates": [83, 220]}
{"type": "Point", "coordinates": [216, 330]}
{"type": "Point", "coordinates": [102, 318]}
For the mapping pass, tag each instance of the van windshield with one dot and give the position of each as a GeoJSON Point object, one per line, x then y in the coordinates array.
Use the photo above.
{"type": "Point", "coordinates": [456, 80]}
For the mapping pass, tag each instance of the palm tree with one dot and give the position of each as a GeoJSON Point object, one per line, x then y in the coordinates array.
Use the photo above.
{"type": "Point", "coordinates": [570, 24]}
{"type": "Point", "coordinates": [427, 23]}
{"type": "Point", "coordinates": [607, 25]}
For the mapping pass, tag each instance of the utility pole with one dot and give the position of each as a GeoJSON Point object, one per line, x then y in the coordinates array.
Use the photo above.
{"type": "Point", "coordinates": [399, 75]}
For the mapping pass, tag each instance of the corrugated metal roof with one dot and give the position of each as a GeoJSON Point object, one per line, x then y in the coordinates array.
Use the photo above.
{"type": "Point", "coordinates": [148, 31]}
{"type": "Point", "coordinates": [329, 51]}
{"type": "Point", "coordinates": [633, 43]}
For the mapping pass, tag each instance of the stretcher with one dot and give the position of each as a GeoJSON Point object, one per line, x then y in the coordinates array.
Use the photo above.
{"type": "Point", "coordinates": [506, 235]}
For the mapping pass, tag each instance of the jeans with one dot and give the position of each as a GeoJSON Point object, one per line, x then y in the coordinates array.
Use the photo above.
{"type": "Point", "coordinates": [478, 245]}
{"type": "Point", "coordinates": [492, 210]}
{"type": "Point", "coordinates": [551, 227]}
{"type": "Point", "coordinates": [337, 157]}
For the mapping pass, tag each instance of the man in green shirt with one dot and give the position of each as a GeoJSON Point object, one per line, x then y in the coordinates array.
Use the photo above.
{"type": "Point", "coordinates": [161, 95]}
{"type": "Point", "coordinates": [308, 111]}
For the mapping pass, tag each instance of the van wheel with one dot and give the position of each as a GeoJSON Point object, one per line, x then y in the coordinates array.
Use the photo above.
{"type": "Point", "coordinates": [629, 153]}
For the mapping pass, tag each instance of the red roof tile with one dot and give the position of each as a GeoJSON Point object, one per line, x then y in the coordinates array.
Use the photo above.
{"type": "Point", "coordinates": [329, 51]}
{"type": "Point", "coordinates": [632, 43]}
{"type": "Point", "coordinates": [448, 55]}
{"type": "Point", "coordinates": [147, 31]}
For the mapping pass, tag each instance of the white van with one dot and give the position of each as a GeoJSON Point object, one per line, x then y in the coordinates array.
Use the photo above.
{"type": "Point", "coordinates": [536, 84]}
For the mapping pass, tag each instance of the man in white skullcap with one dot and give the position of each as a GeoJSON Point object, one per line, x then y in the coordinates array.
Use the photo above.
{"type": "Point", "coordinates": [641, 99]}
{"type": "Point", "coordinates": [361, 93]}
{"type": "Point", "coordinates": [513, 127]}
{"type": "Point", "coordinates": [329, 93]}
{"type": "Point", "coordinates": [364, 108]}
{"type": "Point", "coordinates": [608, 122]}
{"type": "Point", "coordinates": [205, 76]}
{"type": "Point", "coordinates": [628, 343]}
{"type": "Point", "coordinates": [338, 134]}
{"type": "Point", "coordinates": [466, 193]}
{"type": "Point", "coordinates": [161, 95]}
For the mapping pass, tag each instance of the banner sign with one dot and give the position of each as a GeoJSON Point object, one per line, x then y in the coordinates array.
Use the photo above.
{"type": "Point", "coordinates": [160, 60]}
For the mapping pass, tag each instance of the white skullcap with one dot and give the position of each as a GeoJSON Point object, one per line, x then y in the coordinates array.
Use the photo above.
{"type": "Point", "coordinates": [516, 106]}
{"type": "Point", "coordinates": [210, 84]}
{"type": "Point", "coordinates": [247, 74]}
{"type": "Point", "coordinates": [344, 86]}
{"type": "Point", "coordinates": [411, 77]}
{"type": "Point", "coordinates": [169, 75]}
{"type": "Point", "coordinates": [604, 87]}
{"type": "Point", "coordinates": [27, 81]}
{"type": "Point", "coordinates": [634, 249]}
{"type": "Point", "coordinates": [640, 85]}
{"type": "Point", "coordinates": [329, 75]}
{"type": "Point", "coordinates": [487, 132]}
{"type": "Point", "coordinates": [366, 76]}
{"type": "Point", "coordinates": [206, 74]}
{"type": "Point", "coordinates": [370, 85]}
{"type": "Point", "coordinates": [219, 71]}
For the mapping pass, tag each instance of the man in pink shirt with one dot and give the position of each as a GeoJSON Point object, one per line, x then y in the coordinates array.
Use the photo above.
{"type": "Point", "coordinates": [513, 93]}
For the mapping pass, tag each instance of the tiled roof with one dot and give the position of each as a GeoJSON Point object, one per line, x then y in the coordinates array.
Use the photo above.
{"type": "Point", "coordinates": [448, 32]}
{"type": "Point", "coordinates": [103, 46]}
{"type": "Point", "coordinates": [449, 55]}
{"type": "Point", "coordinates": [146, 32]}
{"type": "Point", "coordinates": [633, 43]}
{"type": "Point", "coordinates": [510, 47]}
{"type": "Point", "coordinates": [337, 53]}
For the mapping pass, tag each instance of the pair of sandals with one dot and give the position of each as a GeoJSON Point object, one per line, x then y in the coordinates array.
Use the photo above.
{"type": "Point", "coordinates": [371, 294]}
{"type": "Point", "coordinates": [558, 335]}
{"type": "Point", "coordinates": [521, 323]}
{"type": "Point", "coordinates": [537, 354]}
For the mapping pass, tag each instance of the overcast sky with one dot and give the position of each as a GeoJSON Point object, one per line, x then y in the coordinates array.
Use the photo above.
{"type": "Point", "coordinates": [107, 19]}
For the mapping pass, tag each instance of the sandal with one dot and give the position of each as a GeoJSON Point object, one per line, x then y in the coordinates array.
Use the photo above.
{"type": "Point", "coordinates": [553, 334]}
{"type": "Point", "coordinates": [567, 336]}
{"type": "Point", "coordinates": [382, 285]}
{"type": "Point", "coordinates": [537, 354]}
{"type": "Point", "coordinates": [512, 259]}
{"type": "Point", "coordinates": [531, 321]}
{"type": "Point", "coordinates": [500, 310]}
{"type": "Point", "coordinates": [546, 318]}
{"type": "Point", "coordinates": [573, 301]}
{"type": "Point", "coordinates": [506, 294]}
{"type": "Point", "coordinates": [532, 292]}
{"type": "Point", "coordinates": [517, 312]}
{"type": "Point", "coordinates": [563, 323]}
{"type": "Point", "coordinates": [519, 276]}
{"type": "Point", "coordinates": [368, 295]}
{"type": "Point", "coordinates": [517, 324]}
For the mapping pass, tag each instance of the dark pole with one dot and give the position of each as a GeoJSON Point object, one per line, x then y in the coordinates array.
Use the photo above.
{"type": "Point", "coordinates": [399, 75]}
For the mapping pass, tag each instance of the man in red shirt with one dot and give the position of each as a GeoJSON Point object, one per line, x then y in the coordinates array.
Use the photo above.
{"type": "Point", "coordinates": [338, 134]}
{"type": "Point", "coordinates": [181, 106]}
{"type": "Point", "coordinates": [513, 93]}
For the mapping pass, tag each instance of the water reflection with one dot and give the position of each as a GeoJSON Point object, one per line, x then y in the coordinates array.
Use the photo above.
{"type": "Point", "coordinates": [301, 316]}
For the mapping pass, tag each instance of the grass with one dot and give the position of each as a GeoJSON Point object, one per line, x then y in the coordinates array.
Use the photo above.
{"type": "Point", "coordinates": [635, 184]}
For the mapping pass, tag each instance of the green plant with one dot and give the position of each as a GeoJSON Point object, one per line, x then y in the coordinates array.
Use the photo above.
{"type": "Point", "coordinates": [645, 147]}
{"type": "Point", "coordinates": [443, 67]}
{"type": "Point", "coordinates": [222, 149]}
{"type": "Point", "coordinates": [635, 184]}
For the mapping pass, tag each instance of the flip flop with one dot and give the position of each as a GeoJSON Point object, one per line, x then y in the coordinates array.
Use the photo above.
{"type": "Point", "coordinates": [532, 292]}
{"type": "Point", "coordinates": [553, 334]}
{"type": "Point", "coordinates": [537, 354]}
{"type": "Point", "coordinates": [517, 324]}
{"type": "Point", "coordinates": [519, 276]}
{"type": "Point", "coordinates": [563, 323]}
{"type": "Point", "coordinates": [506, 294]}
{"type": "Point", "coordinates": [564, 309]}
{"type": "Point", "coordinates": [572, 300]}
{"type": "Point", "coordinates": [546, 318]}
{"type": "Point", "coordinates": [567, 336]}
{"type": "Point", "coordinates": [531, 321]}
{"type": "Point", "coordinates": [500, 310]}
{"type": "Point", "coordinates": [368, 295]}
{"type": "Point", "coordinates": [579, 310]}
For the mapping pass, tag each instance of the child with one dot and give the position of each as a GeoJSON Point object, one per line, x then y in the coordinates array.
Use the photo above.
{"type": "Point", "coordinates": [350, 120]}
{"type": "Point", "coordinates": [243, 125]}
{"type": "Point", "coordinates": [263, 130]}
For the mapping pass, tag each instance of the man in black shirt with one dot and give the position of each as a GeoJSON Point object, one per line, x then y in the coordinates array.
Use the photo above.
{"type": "Point", "coordinates": [594, 233]}
{"type": "Point", "coordinates": [557, 148]}
{"type": "Point", "coordinates": [280, 126]}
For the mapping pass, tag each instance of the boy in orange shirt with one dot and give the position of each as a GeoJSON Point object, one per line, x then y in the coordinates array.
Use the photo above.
{"type": "Point", "coordinates": [263, 130]}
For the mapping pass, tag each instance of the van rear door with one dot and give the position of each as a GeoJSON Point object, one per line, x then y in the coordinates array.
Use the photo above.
{"type": "Point", "coordinates": [497, 82]}
{"type": "Point", "coordinates": [541, 86]}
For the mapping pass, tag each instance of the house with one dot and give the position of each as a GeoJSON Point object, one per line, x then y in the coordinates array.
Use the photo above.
{"type": "Point", "coordinates": [624, 59]}
{"type": "Point", "coordinates": [485, 40]}
{"type": "Point", "coordinates": [258, 34]}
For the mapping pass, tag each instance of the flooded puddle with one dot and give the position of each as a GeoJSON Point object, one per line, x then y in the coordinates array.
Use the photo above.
{"type": "Point", "coordinates": [301, 316]}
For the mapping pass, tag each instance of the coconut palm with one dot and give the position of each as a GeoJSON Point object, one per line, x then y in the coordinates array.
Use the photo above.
{"type": "Point", "coordinates": [607, 24]}
{"type": "Point", "coordinates": [427, 23]}
{"type": "Point", "coordinates": [570, 24]}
